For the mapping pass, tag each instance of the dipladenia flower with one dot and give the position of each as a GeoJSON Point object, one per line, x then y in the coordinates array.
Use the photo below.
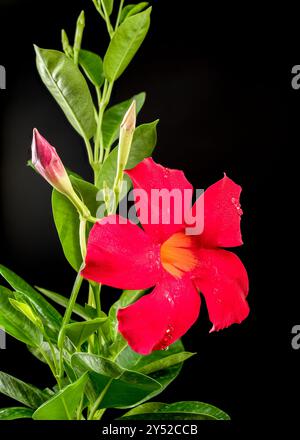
{"type": "Point", "coordinates": [48, 164]}
{"type": "Point", "coordinates": [123, 255]}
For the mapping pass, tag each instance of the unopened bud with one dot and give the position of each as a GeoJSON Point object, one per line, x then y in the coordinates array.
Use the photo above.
{"type": "Point", "coordinates": [126, 135]}
{"type": "Point", "coordinates": [48, 164]}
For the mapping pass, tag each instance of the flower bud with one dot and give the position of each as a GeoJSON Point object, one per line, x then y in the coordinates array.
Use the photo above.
{"type": "Point", "coordinates": [126, 135]}
{"type": "Point", "coordinates": [47, 163]}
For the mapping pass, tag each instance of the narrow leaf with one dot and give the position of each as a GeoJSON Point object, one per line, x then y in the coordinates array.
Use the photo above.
{"type": "Point", "coordinates": [92, 66]}
{"type": "Point", "coordinates": [15, 413]}
{"type": "Point", "coordinates": [15, 323]}
{"type": "Point", "coordinates": [175, 411]}
{"type": "Point", "coordinates": [63, 301]}
{"type": "Point", "coordinates": [108, 6]}
{"type": "Point", "coordinates": [125, 43]}
{"type": "Point", "coordinates": [49, 315]}
{"type": "Point", "coordinates": [68, 87]}
{"type": "Point", "coordinates": [166, 362]}
{"type": "Point", "coordinates": [130, 10]}
{"type": "Point", "coordinates": [27, 394]}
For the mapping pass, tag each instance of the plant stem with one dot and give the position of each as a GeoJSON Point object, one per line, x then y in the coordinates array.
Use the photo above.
{"type": "Point", "coordinates": [66, 319]}
{"type": "Point", "coordinates": [107, 20]}
{"type": "Point", "coordinates": [102, 103]}
{"type": "Point", "coordinates": [119, 14]}
{"type": "Point", "coordinates": [89, 150]}
{"type": "Point", "coordinates": [82, 237]}
{"type": "Point", "coordinates": [99, 400]}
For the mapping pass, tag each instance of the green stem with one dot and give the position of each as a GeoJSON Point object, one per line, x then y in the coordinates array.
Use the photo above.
{"type": "Point", "coordinates": [99, 145]}
{"type": "Point", "coordinates": [89, 150]}
{"type": "Point", "coordinates": [99, 400]}
{"type": "Point", "coordinates": [110, 29]}
{"type": "Point", "coordinates": [66, 319]}
{"type": "Point", "coordinates": [82, 237]}
{"type": "Point", "coordinates": [119, 14]}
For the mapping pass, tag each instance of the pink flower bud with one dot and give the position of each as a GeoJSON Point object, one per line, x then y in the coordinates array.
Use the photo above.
{"type": "Point", "coordinates": [48, 164]}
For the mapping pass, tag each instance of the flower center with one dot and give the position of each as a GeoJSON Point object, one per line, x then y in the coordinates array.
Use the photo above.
{"type": "Point", "coordinates": [177, 256]}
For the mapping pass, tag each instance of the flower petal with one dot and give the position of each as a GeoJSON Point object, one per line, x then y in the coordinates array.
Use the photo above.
{"type": "Point", "coordinates": [223, 280]}
{"type": "Point", "coordinates": [160, 318]}
{"type": "Point", "coordinates": [162, 197]}
{"type": "Point", "coordinates": [222, 214]}
{"type": "Point", "coordinates": [121, 255]}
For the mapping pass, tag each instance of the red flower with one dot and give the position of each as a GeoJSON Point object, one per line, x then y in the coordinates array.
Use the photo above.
{"type": "Point", "coordinates": [122, 255]}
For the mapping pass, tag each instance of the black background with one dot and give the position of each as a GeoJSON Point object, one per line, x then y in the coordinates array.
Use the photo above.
{"type": "Point", "coordinates": [219, 80]}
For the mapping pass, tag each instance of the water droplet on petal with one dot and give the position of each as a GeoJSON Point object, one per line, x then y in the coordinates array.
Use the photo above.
{"type": "Point", "coordinates": [237, 205]}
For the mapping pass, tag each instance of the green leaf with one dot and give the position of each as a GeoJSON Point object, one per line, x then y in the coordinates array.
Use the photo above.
{"type": "Point", "coordinates": [27, 311]}
{"type": "Point", "coordinates": [124, 388]}
{"type": "Point", "coordinates": [49, 315]}
{"type": "Point", "coordinates": [15, 323]}
{"type": "Point", "coordinates": [130, 10]}
{"type": "Point", "coordinates": [129, 359]}
{"type": "Point", "coordinates": [78, 332]}
{"type": "Point", "coordinates": [63, 405]}
{"type": "Point", "coordinates": [93, 66]}
{"type": "Point", "coordinates": [15, 413]}
{"type": "Point", "coordinates": [166, 362]}
{"type": "Point", "coordinates": [68, 87]}
{"type": "Point", "coordinates": [27, 394]}
{"type": "Point", "coordinates": [108, 6]}
{"type": "Point", "coordinates": [66, 219]}
{"type": "Point", "coordinates": [114, 115]}
{"type": "Point", "coordinates": [125, 43]}
{"type": "Point", "coordinates": [63, 301]}
{"type": "Point", "coordinates": [143, 144]}
{"type": "Point", "coordinates": [83, 362]}
{"type": "Point", "coordinates": [175, 411]}
{"type": "Point", "coordinates": [45, 347]}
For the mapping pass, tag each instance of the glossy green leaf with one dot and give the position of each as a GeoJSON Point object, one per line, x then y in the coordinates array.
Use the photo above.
{"type": "Point", "coordinates": [68, 87]}
{"type": "Point", "coordinates": [45, 348]}
{"type": "Point", "coordinates": [27, 394]}
{"type": "Point", "coordinates": [175, 411]}
{"type": "Point", "coordinates": [78, 332]}
{"type": "Point", "coordinates": [63, 301]}
{"type": "Point", "coordinates": [90, 362]}
{"type": "Point", "coordinates": [15, 413]}
{"type": "Point", "coordinates": [134, 361]}
{"type": "Point", "coordinates": [93, 66]}
{"type": "Point", "coordinates": [108, 6]}
{"type": "Point", "coordinates": [124, 388]}
{"type": "Point", "coordinates": [143, 144]}
{"type": "Point", "coordinates": [63, 405]}
{"type": "Point", "coordinates": [166, 362]}
{"type": "Point", "coordinates": [125, 43]}
{"type": "Point", "coordinates": [49, 315]}
{"type": "Point", "coordinates": [26, 310]}
{"type": "Point", "coordinates": [15, 323]}
{"type": "Point", "coordinates": [66, 219]}
{"type": "Point", "coordinates": [114, 115]}
{"type": "Point", "coordinates": [130, 10]}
